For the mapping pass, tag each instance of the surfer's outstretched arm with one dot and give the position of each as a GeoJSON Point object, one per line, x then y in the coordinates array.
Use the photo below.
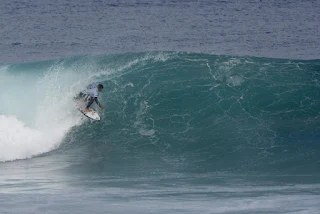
{"type": "Point", "coordinates": [97, 101]}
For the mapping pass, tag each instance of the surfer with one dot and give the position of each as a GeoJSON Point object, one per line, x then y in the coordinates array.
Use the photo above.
{"type": "Point", "coordinates": [91, 95]}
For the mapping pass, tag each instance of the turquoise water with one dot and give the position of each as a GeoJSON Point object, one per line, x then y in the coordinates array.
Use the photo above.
{"type": "Point", "coordinates": [192, 127]}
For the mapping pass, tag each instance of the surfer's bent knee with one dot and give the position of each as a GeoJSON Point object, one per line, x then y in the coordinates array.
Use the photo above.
{"type": "Point", "coordinates": [91, 99]}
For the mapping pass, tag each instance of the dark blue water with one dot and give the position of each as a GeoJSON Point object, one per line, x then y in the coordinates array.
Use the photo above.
{"type": "Point", "coordinates": [36, 30]}
{"type": "Point", "coordinates": [211, 107]}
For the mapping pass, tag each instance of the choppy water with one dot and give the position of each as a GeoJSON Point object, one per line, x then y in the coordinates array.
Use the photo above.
{"type": "Point", "coordinates": [183, 132]}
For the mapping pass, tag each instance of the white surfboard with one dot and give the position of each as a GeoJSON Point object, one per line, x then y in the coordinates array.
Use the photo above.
{"type": "Point", "coordinates": [91, 114]}
{"type": "Point", "coordinates": [81, 105]}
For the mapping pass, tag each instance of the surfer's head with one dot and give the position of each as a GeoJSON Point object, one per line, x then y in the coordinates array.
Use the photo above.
{"type": "Point", "coordinates": [100, 87]}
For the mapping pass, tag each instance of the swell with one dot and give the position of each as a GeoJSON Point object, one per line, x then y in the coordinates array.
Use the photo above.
{"type": "Point", "coordinates": [190, 112]}
{"type": "Point", "coordinates": [196, 112]}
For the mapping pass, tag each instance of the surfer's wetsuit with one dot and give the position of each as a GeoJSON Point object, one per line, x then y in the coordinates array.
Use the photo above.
{"type": "Point", "coordinates": [90, 99]}
{"type": "Point", "coordinates": [90, 95]}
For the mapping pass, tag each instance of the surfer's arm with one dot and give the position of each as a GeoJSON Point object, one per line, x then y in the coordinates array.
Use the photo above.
{"type": "Point", "coordinates": [97, 101]}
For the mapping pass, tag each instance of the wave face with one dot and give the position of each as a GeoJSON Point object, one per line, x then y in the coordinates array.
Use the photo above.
{"type": "Point", "coordinates": [181, 111]}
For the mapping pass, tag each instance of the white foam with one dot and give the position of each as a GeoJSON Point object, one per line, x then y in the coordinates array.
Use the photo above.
{"type": "Point", "coordinates": [35, 116]}
{"type": "Point", "coordinates": [235, 80]}
{"type": "Point", "coordinates": [18, 141]}
{"type": "Point", "coordinates": [145, 132]}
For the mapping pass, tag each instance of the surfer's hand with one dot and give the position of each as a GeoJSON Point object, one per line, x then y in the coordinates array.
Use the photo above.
{"type": "Point", "coordinates": [102, 108]}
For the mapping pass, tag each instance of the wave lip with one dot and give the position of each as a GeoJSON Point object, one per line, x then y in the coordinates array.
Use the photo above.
{"type": "Point", "coordinates": [38, 111]}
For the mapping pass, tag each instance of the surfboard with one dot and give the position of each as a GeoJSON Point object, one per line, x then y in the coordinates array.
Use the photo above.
{"type": "Point", "coordinates": [91, 114]}
{"type": "Point", "coordinates": [80, 105]}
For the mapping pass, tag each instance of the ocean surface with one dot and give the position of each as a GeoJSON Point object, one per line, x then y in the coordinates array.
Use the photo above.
{"type": "Point", "coordinates": [210, 106]}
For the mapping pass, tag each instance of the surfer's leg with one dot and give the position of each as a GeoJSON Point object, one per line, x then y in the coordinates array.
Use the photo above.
{"type": "Point", "coordinates": [91, 100]}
